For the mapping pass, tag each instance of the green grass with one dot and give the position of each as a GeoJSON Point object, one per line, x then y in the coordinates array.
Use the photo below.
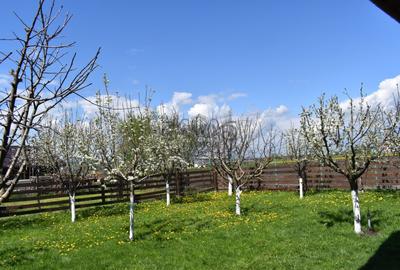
{"type": "Point", "coordinates": [276, 231]}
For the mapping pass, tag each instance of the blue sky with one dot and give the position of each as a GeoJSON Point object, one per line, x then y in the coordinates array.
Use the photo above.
{"type": "Point", "coordinates": [267, 54]}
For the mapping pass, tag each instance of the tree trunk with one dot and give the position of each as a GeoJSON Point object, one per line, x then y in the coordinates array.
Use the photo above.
{"type": "Point", "coordinates": [229, 186]}
{"type": "Point", "coordinates": [301, 187]}
{"type": "Point", "coordinates": [167, 189]}
{"type": "Point", "coordinates": [7, 187]}
{"type": "Point", "coordinates": [238, 192]}
{"type": "Point", "coordinates": [131, 212]}
{"type": "Point", "coordinates": [72, 202]}
{"type": "Point", "coordinates": [5, 193]}
{"type": "Point", "coordinates": [302, 171]}
{"type": "Point", "coordinates": [356, 211]}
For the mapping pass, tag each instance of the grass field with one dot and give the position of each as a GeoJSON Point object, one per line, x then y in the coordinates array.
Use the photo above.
{"type": "Point", "coordinates": [276, 231]}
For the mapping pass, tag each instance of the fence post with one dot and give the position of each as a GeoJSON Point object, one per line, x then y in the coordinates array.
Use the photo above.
{"type": "Point", "coordinates": [377, 186]}
{"type": "Point", "coordinates": [39, 191]}
{"type": "Point", "coordinates": [121, 187]}
{"type": "Point", "coordinates": [187, 180]}
{"type": "Point", "coordinates": [276, 176]}
{"type": "Point", "coordinates": [215, 178]}
{"type": "Point", "coordinates": [103, 193]}
{"type": "Point", "coordinates": [178, 176]}
{"type": "Point", "coordinates": [320, 177]}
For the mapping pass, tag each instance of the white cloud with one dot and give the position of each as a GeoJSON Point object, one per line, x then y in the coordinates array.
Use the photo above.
{"type": "Point", "coordinates": [210, 106]}
{"type": "Point", "coordinates": [224, 111]}
{"type": "Point", "coordinates": [281, 109]}
{"type": "Point", "coordinates": [384, 96]}
{"type": "Point", "coordinates": [181, 98]}
{"type": "Point", "coordinates": [387, 90]}
{"type": "Point", "coordinates": [208, 99]}
{"type": "Point", "coordinates": [209, 110]}
{"type": "Point", "coordinates": [178, 99]}
{"type": "Point", "coordinates": [203, 109]}
{"type": "Point", "coordinates": [236, 95]}
{"type": "Point", "coordinates": [5, 80]}
{"type": "Point", "coordinates": [279, 117]}
{"type": "Point", "coordinates": [214, 105]}
{"type": "Point", "coordinates": [89, 107]}
{"type": "Point", "coordinates": [117, 102]}
{"type": "Point", "coordinates": [53, 83]}
{"type": "Point", "coordinates": [167, 108]}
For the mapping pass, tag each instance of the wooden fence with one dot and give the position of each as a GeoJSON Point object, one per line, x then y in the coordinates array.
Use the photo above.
{"type": "Point", "coordinates": [380, 175]}
{"type": "Point", "coordinates": [42, 194]}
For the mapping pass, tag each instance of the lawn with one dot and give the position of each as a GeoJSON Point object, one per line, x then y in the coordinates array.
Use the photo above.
{"type": "Point", "coordinates": [276, 231]}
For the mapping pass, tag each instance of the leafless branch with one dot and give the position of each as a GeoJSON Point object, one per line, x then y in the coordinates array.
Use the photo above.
{"type": "Point", "coordinates": [39, 61]}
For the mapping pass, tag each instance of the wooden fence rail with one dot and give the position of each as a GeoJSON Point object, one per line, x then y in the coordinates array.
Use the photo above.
{"type": "Point", "coordinates": [42, 194]}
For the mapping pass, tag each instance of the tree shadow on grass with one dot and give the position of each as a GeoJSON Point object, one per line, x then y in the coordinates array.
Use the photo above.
{"type": "Point", "coordinates": [330, 218]}
{"type": "Point", "coordinates": [314, 192]}
{"type": "Point", "coordinates": [106, 210]}
{"type": "Point", "coordinates": [13, 256]}
{"type": "Point", "coordinates": [32, 221]}
{"type": "Point", "coordinates": [393, 192]}
{"type": "Point", "coordinates": [192, 198]}
{"type": "Point", "coordinates": [161, 228]}
{"type": "Point", "coordinates": [250, 208]}
{"type": "Point", "coordinates": [44, 220]}
{"type": "Point", "coordinates": [387, 255]}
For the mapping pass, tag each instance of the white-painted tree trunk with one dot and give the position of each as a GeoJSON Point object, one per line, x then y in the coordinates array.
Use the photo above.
{"type": "Point", "coordinates": [167, 189]}
{"type": "Point", "coordinates": [72, 203]}
{"type": "Point", "coordinates": [131, 214]}
{"type": "Point", "coordinates": [369, 223]}
{"type": "Point", "coordinates": [301, 188]}
{"type": "Point", "coordinates": [356, 211]}
{"type": "Point", "coordinates": [237, 195]}
{"type": "Point", "coordinates": [230, 186]}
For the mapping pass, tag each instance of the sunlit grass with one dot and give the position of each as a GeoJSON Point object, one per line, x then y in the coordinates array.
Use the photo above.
{"type": "Point", "coordinates": [277, 230]}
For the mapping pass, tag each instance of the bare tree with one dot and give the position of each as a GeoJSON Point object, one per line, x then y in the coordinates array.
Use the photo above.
{"type": "Point", "coordinates": [42, 77]}
{"type": "Point", "coordinates": [222, 141]}
{"type": "Point", "coordinates": [63, 148]}
{"type": "Point", "coordinates": [346, 137]}
{"type": "Point", "coordinates": [240, 150]}
{"type": "Point", "coordinates": [298, 151]}
{"type": "Point", "coordinates": [195, 149]}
